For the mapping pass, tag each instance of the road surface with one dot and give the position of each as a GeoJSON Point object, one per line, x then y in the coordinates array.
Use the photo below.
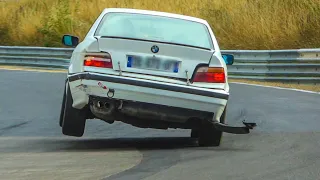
{"type": "Point", "coordinates": [285, 145]}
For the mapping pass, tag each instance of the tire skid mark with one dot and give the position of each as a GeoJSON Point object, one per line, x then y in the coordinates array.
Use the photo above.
{"type": "Point", "coordinates": [159, 154]}
{"type": "Point", "coordinates": [12, 127]}
{"type": "Point", "coordinates": [151, 163]}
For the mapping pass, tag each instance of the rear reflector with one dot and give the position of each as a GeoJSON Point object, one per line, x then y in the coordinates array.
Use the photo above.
{"type": "Point", "coordinates": [210, 75]}
{"type": "Point", "coordinates": [98, 61]}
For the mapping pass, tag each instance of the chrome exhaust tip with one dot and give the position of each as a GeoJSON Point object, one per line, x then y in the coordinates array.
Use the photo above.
{"type": "Point", "coordinates": [99, 104]}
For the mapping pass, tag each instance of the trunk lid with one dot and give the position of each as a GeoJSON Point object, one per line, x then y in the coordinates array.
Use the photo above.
{"type": "Point", "coordinates": [136, 56]}
{"type": "Point", "coordinates": [188, 59]}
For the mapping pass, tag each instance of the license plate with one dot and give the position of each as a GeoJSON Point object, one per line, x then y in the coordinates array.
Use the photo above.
{"type": "Point", "coordinates": [153, 63]}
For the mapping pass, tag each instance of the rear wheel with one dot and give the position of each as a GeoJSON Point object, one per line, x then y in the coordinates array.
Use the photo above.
{"type": "Point", "coordinates": [62, 107]}
{"type": "Point", "coordinates": [194, 133]}
{"type": "Point", "coordinates": [209, 135]}
{"type": "Point", "coordinates": [74, 120]}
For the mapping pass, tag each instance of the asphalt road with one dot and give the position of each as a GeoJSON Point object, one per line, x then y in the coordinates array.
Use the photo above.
{"type": "Point", "coordinates": [285, 145]}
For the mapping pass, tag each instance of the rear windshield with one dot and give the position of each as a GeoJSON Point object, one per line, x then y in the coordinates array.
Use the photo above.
{"type": "Point", "coordinates": [155, 28]}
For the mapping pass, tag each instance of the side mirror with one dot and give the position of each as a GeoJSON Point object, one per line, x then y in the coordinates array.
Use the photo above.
{"type": "Point", "coordinates": [69, 40]}
{"type": "Point", "coordinates": [228, 58]}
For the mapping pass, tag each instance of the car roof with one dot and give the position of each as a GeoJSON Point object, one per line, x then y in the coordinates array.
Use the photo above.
{"type": "Point", "coordinates": [157, 13]}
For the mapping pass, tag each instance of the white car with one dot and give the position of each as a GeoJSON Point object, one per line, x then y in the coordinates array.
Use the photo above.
{"type": "Point", "coordinates": [151, 70]}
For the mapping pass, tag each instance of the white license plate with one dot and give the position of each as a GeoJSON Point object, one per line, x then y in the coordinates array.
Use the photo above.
{"type": "Point", "coordinates": [153, 63]}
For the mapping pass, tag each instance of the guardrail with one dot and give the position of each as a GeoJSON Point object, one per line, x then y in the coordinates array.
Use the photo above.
{"type": "Point", "coordinates": [35, 56]}
{"type": "Point", "coordinates": [299, 66]}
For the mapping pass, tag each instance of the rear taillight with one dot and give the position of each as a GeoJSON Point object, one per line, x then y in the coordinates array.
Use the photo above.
{"type": "Point", "coordinates": [103, 61]}
{"type": "Point", "coordinates": [210, 75]}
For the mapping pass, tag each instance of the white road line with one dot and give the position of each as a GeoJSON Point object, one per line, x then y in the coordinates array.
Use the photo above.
{"type": "Point", "coordinates": [275, 87]}
{"type": "Point", "coordinates": [14, 68]}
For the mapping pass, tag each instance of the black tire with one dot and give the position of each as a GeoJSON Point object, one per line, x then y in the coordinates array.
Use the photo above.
{"type": "Point", "coordinates": [194, 133]}
{"type": "Point", "coordinates": [209, 136]}
{"type": "Point", "coordinates": [74, 120]}
{"type": "Point", "coordinates": [62, 107]}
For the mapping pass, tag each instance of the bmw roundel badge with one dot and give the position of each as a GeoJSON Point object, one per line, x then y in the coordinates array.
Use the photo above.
{"type": "Point", "coordinates": [155, 49]}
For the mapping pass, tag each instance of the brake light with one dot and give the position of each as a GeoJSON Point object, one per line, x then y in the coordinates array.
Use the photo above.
{"type": "Point", "coordinates": [103, 61]}
{"type": "Point", "coordinates": [210, 75]}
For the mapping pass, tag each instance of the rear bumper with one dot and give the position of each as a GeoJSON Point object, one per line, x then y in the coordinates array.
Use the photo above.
{"type": "Point", "coordinates": [83, 85]}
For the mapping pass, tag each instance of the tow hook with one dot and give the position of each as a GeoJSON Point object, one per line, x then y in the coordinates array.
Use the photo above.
{"type": "Point", "coordinates": [234, 130]}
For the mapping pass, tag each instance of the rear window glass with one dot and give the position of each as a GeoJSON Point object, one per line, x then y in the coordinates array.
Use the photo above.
{"type": "Point", "coordinates": [155, 28]}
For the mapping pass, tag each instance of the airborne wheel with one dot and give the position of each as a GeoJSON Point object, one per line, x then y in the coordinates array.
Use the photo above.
{"type": "Point", "coordinates": [73, 122]}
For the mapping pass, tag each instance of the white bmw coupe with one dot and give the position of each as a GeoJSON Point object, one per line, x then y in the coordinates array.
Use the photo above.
{"type": "Point", "coordinates": [151, 70]}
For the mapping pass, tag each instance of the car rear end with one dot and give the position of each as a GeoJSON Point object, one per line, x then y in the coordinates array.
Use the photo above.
{"type": "Point", "coordinates": [159, 75]}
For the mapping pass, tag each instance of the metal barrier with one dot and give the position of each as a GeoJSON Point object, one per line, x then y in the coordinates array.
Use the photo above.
{"type": "Point", "coordinates": [35, 56]}
{"type": "Point", "coordinates": [298, 66]}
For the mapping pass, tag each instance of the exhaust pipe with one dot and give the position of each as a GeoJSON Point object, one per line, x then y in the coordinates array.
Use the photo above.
{"type": "Point", "coordinates": [103, 109]}
{"type": "Point", "coordinates": [107, 105]}
{"type": "Point", "coordinates": [99, 104]}
{"type": "Point", "coordinates": [102, 105]}
{"type": "Point", "coordinates": [234, 130]}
